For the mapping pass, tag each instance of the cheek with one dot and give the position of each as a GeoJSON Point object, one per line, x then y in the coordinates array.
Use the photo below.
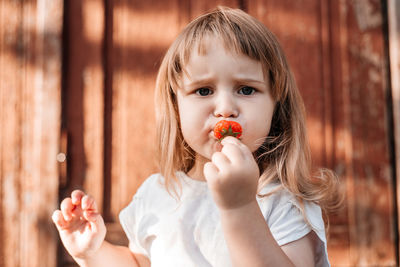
{"type": "Point", "coordinates": [187, 128]}
{"type": "Point", "coordinates": [183, 115]}
{"type": "Point", "coordinates": [185, 123]}
{"type": "Point", "coordinates": [257, 137]}
{"type": "Point", "coordinates": [193, 116]}
{"type": "Point", "coordinates": [190, 123]}
{"type": "Point", "coordinates": [258, 130]}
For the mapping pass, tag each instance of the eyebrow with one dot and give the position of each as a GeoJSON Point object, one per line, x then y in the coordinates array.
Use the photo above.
{"type": "Point", "coordinates": [199, 82]}
{"type": "Point", "coordinates": [249, 80]}
{"type": "Point", "coordinates": [237, 80]}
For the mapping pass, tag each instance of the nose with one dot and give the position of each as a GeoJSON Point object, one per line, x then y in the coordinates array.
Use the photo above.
{"type": "Point", "coordinates": [226, 106]}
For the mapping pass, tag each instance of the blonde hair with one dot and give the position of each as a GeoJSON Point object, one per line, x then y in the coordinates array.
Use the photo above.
{"type": "Point", "coordinates": [285, 156]}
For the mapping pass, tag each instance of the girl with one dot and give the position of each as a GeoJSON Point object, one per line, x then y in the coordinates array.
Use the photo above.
{"type": "Point", "coordinates": [236, 202]}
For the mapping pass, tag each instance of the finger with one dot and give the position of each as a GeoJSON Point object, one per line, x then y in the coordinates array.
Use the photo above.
{"type": "Point", "coordinates": [94, 219]}
{"type": "Point", "coordinates": [66, 208]}
{"type": "Point", "coordinates": [76, 196]}
{"type": "Point", "coordinates": [58, 219]}
{"type": "Point", "coordinates": [234, 141]}
{"type": "Point", "coordinates": [210, 170]}
{"type": "Point", "coordinates": [88, 203]}
{"type": "Point", "coordinates": [220, 159]}
{"type": "Point", "coordinates": [232, 152]}
{"type": "Point", "coordinates": [230, 140]}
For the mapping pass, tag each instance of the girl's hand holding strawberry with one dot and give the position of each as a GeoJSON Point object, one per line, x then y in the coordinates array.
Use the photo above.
{"type": "Point", "coordinates": [81, 227]}
{"type": "Point", "coordinates": [232, 175]}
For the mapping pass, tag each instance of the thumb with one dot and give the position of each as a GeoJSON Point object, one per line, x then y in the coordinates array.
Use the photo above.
{"type": "Point", "coordinates": [210, 170]}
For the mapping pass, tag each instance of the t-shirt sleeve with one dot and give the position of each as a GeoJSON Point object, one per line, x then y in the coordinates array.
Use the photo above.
{"type": "Point", "coordinates": [287, 222]}
{"type": "Point", "coordinates": [136, 220]}
{"type": "Point", "coordinates": [130, 218]}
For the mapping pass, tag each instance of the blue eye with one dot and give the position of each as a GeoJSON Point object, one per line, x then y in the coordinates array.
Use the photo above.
{"type": "Point", "coordinates": [247, 90]}
{"type": "Point", "coordinates": [204, 91]}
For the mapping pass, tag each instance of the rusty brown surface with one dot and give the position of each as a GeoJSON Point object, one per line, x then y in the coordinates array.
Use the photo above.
{"type": "Point", "coordinates": [83, 99]}
{"type": "Point", "coordinates": [30, 81]}
{"type": "Point", "coordinates": [136, 55]}
{"type": "Point", "coordinates": [9, 141]}
{"type": "Point", "coordinates": [93, 97]}
{"type": "Point", "coordinates": [112, 50]}
{"type": "Point", "coordinates": [394, 58]}
{"type": "Point", "coordinates": [370, 190]}
{"type": "Point", "coordinates": [336, 50]}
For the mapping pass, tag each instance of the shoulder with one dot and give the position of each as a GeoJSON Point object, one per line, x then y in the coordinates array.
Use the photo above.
{"type": "Point", "coordinates": [289, 217]}
{"type": "Point", "coordinates": [290, 220]}
{"type": "Point", "coordinates": [273, 197]}
{"type": "Point", "coordinates": [151, 190]}
{"type": "Point", "coordinates": [152, 184]}
{"type": "Point", "coordinates": [137, 216]}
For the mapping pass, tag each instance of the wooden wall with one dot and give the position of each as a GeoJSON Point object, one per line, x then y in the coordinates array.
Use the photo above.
{"type": "Point", "coordinates": [93, 102]}
{"type": "Point", "coordinates": [30, 108]}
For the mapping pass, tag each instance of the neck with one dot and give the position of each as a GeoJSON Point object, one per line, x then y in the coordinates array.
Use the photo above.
{"type": "Point", "coordinates": [196, 173]}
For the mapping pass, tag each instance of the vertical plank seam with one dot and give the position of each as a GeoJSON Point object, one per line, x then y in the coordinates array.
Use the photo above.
{"type": "Point", "coordinates": [108, 95]}
{"type": "Point", "coordinates": [391, 15]}
{"type": "Point", "coordinates": [345, 82]}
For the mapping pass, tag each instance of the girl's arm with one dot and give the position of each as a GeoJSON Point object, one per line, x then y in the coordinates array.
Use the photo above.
{"type": "Point", "coordinates": [112, 255]}
{"type": "Point", "coordinates": [109, 255]}
{"type": "Point", "coordinates": [251, 243]}
{"type": "Point", "coordinates": [82, 231]}
{"type": "Point", "coordinates": [232, 176]}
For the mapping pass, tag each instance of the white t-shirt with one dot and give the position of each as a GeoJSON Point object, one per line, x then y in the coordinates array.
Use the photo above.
{"type": "Point", "coordinates": [188, 232]}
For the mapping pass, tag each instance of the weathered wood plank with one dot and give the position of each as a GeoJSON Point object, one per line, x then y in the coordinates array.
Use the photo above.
{"type": "Point", "coordinates": [47, 105]}
{"type": "Point", "coordinates": [394, 53]}
{"type": "Point", "coordinates": [93, 97]}
{"type": "Point", "coordinates": [50, 14]}
{"type": "Point", "coordinates": [30, 93]}
{"type": "Point", "coordinates": [84, 99]}
{"type": "Point", "coordinates": [297, 25]}
{"type": "Point", "coordinates": [10, 85]}
{"type": "Point", "coordinates": [373, 184]}
{"type": "Point", "coordinates": [340, 247]}
{"type": "Point", "coordinates": [84, 96]}
{"type": "Point", "coordinates": [73, 102]}
{"type": "Point", "coordinates": [30, 67]}
{"type": "Point", "coordinates": [140, 39]}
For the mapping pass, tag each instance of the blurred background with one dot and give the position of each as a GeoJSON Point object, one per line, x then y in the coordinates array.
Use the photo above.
{"type": "Point", "coordinates": [76, 111]}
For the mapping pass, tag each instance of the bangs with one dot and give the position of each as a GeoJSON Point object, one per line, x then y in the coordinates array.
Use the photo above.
{"type": "Point", "coordinates": [238, 32]}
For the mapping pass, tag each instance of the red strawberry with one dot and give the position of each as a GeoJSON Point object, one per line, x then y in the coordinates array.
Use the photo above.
{"type": "Point", "coordinates": [227, 128]}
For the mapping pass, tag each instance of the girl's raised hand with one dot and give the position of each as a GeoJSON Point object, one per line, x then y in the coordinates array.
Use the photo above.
{"type": "Point", "coordinates": [232, 175]}
{"type": "Point", "coordinates": [81, 227]}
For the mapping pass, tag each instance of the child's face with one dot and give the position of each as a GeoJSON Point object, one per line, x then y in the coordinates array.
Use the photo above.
{"type": "Point", "coordinates": [223, 85]}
